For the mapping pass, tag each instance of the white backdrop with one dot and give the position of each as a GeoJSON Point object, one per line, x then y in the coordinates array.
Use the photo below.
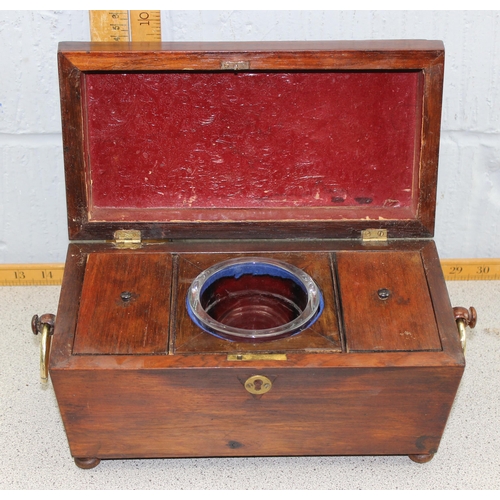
{"type": "Point", "coordinates": [32, 197]}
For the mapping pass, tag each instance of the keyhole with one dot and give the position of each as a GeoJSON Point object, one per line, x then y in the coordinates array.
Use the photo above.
{"type": "Point", "coordinates": [258, 384]}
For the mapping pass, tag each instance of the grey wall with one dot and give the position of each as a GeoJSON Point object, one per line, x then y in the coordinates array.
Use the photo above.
{"type": "Point", "coordinates": [32, 197]}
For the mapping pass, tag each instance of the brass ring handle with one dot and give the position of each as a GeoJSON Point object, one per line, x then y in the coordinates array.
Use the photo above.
{"type": "Point", "coordinates": [44, 353]}
{"type": "Point", "coordinates": [45, 326]}
{"type": "Point", "coordinates": [463, 334]}
{"type": "Point", "coordinates": [464, 317]}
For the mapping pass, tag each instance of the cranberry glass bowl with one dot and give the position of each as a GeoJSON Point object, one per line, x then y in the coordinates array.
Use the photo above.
{"type": "Point", "coordinates": [253, 300]}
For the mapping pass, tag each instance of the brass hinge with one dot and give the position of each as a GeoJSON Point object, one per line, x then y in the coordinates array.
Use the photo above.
{"type": "Point", "coordinates": [127, 238]}
{"type": "Point", "coordinates": [257, 357]}
{"type": "Point", "coordinates": [373, 235]}
{"type": "Point", "coordinates": [235, 65]}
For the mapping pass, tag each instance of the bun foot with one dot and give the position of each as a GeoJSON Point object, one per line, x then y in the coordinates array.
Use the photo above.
{"type": "Point", "coordinates": [87, 462]}
{"type": "Point", "coordinates": [422, 459]}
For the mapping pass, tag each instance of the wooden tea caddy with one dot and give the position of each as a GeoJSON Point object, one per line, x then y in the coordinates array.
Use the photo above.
{"type": "Point", "coordinates": [322, 155]}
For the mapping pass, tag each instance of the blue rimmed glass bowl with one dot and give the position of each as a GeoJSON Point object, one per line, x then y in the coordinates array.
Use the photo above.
{"type": "Point", "coordinates": [254, 300]}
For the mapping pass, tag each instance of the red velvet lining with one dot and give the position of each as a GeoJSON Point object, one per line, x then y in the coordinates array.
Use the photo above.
{"type": "Point", "coordinates": [252, 140]}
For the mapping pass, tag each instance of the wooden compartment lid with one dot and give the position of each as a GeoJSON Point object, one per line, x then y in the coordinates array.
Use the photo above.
{"type": "Point", "coordinates": [251, 140]}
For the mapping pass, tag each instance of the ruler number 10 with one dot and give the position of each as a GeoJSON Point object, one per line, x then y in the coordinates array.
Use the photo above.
{"type": "Point", "coordinates": [143, 18]}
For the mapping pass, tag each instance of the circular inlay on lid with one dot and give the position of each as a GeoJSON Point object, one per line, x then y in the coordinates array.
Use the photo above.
{"type": "Point", "coordinates": [253, 299]}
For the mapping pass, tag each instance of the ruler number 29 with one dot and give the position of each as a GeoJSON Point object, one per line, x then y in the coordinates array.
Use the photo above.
{"type": "Point", "coordinates": [479, 269]}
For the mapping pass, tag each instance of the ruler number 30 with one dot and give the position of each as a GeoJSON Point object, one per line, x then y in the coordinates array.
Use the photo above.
{"type": "Point", "coordinates": [479, 269]}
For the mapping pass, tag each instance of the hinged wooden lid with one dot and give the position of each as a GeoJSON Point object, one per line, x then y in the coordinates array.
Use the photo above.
{"type": "Point", "coordinates": [251, 140]}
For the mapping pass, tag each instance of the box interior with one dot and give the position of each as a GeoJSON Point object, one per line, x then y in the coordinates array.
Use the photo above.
{"type": "Point", "coordinates": [192, 144]}
{"type": "Point", "coordinates": [153, 318]}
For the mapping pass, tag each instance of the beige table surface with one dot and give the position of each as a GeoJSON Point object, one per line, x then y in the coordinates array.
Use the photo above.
{"type": "Point", "coordinates": [35, 453]}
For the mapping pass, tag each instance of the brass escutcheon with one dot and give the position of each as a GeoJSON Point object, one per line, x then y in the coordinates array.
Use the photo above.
{"type": "Point", "coordinates": [258, 384]}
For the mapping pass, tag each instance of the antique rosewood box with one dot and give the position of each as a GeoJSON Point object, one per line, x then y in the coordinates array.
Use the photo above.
{"type": "Point", "coordinates": [251, 269]}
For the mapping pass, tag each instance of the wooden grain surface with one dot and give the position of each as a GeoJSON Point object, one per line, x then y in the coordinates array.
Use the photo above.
{"type": "Point", "coordinates": [110, 324]}
{"type": "Point", "coordinates": [195, 403]}
{"type": "Point", "coordinates": [208, 412]}
{"type": "Point", "coordinates": [89, 222]}
{"type": "Point", "coordinates": [387, 387]}
{"type": "Point", "coordinates": [402, 322]}
{"type": "Point", "coordinates": [322, 336]}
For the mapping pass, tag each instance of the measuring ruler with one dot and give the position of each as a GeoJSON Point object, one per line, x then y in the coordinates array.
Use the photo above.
{"type": "Point", "coordinates": [31, 274]}
{"type": "Point", "coordinates": [51, 274]}
{"type": "Point", "coordinates": [145, 25]}
{"type": "Point", "coordinates": [471, 269]}
{"type": "Point", "coordinates": [125, 26]}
